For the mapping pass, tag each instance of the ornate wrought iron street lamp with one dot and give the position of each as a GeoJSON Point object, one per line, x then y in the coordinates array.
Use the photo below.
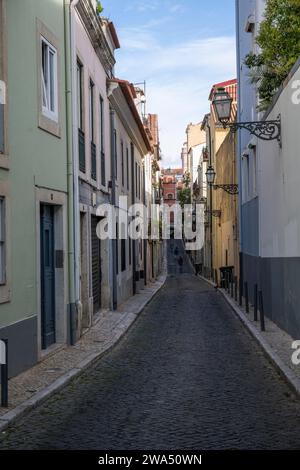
{"type": "Point", "coordinates": [229, 188]}
{"type": "Point", "coordinates": [210, 175]}
{"type": "Point", "coordinates": [264, 130]}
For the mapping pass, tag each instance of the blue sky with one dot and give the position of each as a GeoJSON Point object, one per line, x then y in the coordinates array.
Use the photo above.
{"type": "Point", "coordinates": [181, 48]}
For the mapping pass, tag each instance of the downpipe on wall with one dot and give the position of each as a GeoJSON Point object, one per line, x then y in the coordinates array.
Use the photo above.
{"type": "Point", "coordinates": [74, 307]}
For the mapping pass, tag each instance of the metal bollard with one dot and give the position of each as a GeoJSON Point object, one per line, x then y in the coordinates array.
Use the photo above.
{"type": "Point", "coordinates": [4, 372]}
{"type": "Point", "coordinates": [216, 277]}
{"type": "Point", "coordinates": [235, 288]}
{"type": "Point", "coordinates": [255, 302]}
{"type": "Point", "coordinates": [261, 311]}
{"type": "Point", "coordinates": [246, 297]}
{"type": "Point", "coordinates": [227, 282]}
{"type": "Point", "coordinates": [231, 288]}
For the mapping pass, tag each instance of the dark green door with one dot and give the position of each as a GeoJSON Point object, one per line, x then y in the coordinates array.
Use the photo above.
{"type": "Point", "coordinates": [47, 276]}
{"type": "Point", "coordinates": [96, 265]}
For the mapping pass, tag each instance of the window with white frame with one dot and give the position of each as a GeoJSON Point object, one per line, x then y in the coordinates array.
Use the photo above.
{"type": "Point", "coordinates": [49, 80]}
{"type": "Point", "coordinates": [2, 242]}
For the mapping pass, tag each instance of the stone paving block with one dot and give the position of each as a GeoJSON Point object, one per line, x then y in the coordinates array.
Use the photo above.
{"type": "Point", "coordinates": [27, 388]}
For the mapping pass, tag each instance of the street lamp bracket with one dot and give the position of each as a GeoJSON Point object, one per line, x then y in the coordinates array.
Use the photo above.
{"type": "Point", "coordinates": [232, 189]}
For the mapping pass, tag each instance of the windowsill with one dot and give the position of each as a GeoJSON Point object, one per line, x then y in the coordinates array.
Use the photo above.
{"type": "Point", "coordinates": [48, 125]}
{"type": "Point", "coordinates": [51, 116]}
{"type": "Point", "coordinates": [93, 183]}
{"type": "Point", "coordinates": [4, 161]}
{"type": "Point", "coordinates": [88, 180]}
{"type": "Point", "coordinates": [82, 176]}
{"type": "Point", "coordinates": [103, 189]}
{"type": "Point", "coordinates": [5, 294]}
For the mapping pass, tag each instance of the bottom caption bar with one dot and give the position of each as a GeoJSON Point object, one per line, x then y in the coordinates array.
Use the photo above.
{"type": "Point", "coordinates": [136, 459]}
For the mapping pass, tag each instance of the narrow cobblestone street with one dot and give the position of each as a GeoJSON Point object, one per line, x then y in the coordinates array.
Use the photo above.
{"type": "Point", "coordinates": [187, 375]}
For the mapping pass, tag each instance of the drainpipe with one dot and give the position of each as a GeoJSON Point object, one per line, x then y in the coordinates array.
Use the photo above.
{"type": "Point", "coordinates": [72, 206]}
{"type": "Point", "coordinates": [239, 146]}
{"type": "Point", "coordinates": [145, 238]}
{"type": "Point", "coordinates": [75, 159]}
{"type": "Point", "coordinates": [133, 202]}
{"type": "Point", "coordinates": [211, 202]}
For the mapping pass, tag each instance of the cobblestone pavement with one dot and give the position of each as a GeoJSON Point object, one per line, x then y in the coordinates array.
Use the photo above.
{"type": "Point", "coordinates": [187, 375]}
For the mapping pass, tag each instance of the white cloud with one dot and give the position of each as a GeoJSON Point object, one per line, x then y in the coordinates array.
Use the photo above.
{"type": "Point", "coordinates": [137, 40]}
{"type": "Point", "coordinates": [143, 6]}
{"type": "Point", "coordinates": [179, 79]}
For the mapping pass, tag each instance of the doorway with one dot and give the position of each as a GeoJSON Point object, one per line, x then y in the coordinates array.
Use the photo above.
{"type": "Point", "coordinates": [96, 265]}
{"type": "Point", "coordinates": [47, 276]}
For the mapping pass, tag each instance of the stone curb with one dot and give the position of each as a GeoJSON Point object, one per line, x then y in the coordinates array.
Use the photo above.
{"type": "Point", "coordinates": [286, 373]}
{"type": "Point", "coordinates": [211, 283]}
{"type": "Point", "coordinates": [88, 362]}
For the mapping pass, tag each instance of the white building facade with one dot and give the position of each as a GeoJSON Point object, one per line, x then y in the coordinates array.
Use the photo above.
{"type": "Point", "coordinates": [269, 186]}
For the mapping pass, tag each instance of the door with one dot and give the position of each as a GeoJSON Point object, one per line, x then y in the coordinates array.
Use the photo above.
{"type": "Point", "coordinates": [47, 276]}
{"type": "Point", "coordinates": [96, 265]}
{"type": "Point", "coordinates": [84, 287]}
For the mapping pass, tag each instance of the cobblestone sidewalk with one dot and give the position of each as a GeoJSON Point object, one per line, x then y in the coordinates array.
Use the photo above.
{"type": "Point", "coordinates": [276, 343]}
{"type": "Point", "coordinates": [38, 383]}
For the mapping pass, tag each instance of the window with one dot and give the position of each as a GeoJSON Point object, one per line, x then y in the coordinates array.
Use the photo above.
{"type": "Point", "coordinates": [2, 242]}
{"type": "Point", "coordinates": [245, 177]}
{"type": "Point", "coordinates": [102, 152]}
{"type": "Point", "coordinates": [123, 254]}
{"type": "Point", "coordinates": [80, 95]}
{"type": "Point", "coordinates": [116, 154]}
{"type": "Point", "coordinates": [117, 248]}
{"type": "Point", "coordinates": [81, 137]}
{"type": "Point", "coordinates": [92, 131]}
{"type": "Point", "coordinates": [140, 187]}
{"type": "Point", "coordinates": [49, 80]}
{"type": "Point", "coordinates": [122, 163]}
{"type": "Point", "coordinates": [127, 166]}
{"type": "Point", "coordinates": [129, 249]}
{"type": "Point", "coordinates": [91, 105]}
{"type": "Point", "coordinates": [254, 169]}
{"type": "Point", "coordinates": [136, 179]}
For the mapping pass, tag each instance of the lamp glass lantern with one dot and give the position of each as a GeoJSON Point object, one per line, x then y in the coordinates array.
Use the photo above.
{"type": "Point", "coordinates": [210, 175]}
{"type": "Point", "coordinates": [222, 103]}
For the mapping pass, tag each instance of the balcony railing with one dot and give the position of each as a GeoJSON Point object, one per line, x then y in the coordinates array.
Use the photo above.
{"type": "Point", "coordinates": [93, 162]}
{"type": "Point", "coordinates": [81, 147]}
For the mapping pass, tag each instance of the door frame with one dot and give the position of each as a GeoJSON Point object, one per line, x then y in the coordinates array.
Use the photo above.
{"type": "Point", "coordinates": [51, 226]}
{"type": "Point", "coordinates": [100, 266]}
{"type": "Point", "coordinates": [59, 201]}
